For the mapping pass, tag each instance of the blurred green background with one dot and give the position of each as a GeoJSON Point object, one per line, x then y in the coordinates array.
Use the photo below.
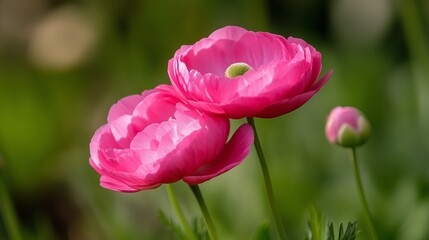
{"type": "Point", "coordinates": [63, 63]}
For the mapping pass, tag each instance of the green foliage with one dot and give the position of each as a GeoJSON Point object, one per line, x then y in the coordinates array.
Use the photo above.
{"type": "Point", "coordinates": [198, 227]}
{"type": "Point", "coordinates": [350, 233]}
{"type": "Point", "coordinates": [263, 232]}
{"type": "Point", "coordinates": [173, 226]}
{"type": "Point", "coordinates": [316, 226]}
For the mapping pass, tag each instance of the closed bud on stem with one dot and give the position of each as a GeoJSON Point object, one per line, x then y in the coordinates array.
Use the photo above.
{"type": "Point", "coordinates": [347, 127]}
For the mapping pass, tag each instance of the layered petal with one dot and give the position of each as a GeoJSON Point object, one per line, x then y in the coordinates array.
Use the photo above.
{"type": "Point", "coordinates": [102, 138]}
{"type": "Point", "coordinates": [200, 142]}
{"type": "Point", "coordinates": [290, 104]}
{"type": "Point", "coordinates": [228, 32]}
{"type": "Point", "coordinates": [116, 185]}
{"type": "Point", "coordinates": [155, 138]}
{"type": "Point", "coordinates": [125, 106]}
{"type": "Point", "coordinates": [232, 154]}
{"type": "Point", "coordinates": [282, 72]}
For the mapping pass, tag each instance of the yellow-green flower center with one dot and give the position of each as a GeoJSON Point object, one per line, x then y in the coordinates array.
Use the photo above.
{"type": "Point", "coordinates": [237, 69]}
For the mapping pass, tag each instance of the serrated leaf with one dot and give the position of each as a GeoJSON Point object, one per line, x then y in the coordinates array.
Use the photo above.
{"type": "Point", "coordinates": [351, 231]}
{"type": "Point", "coordinates": [200, 229]}
{"type": "Point", "coordinates": [172, 225]}
{"type": "Point", "coordinates": [341, 232]}
{"type": "Point", "coordinates": [349, 234]}
{"type": "Point", "coordinates": [331, 234]}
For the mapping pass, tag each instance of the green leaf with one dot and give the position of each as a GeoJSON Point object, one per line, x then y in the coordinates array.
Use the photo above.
{"type": "Point", "coordinates": [351, 231]}
{"type": "Point", "coordinates": [315, 231]}
{"type": "Point", "coordinates": [341, 231]}
{"type": "Point", "coordinates": [349, 234]}
{"type": "Point", "coordinates": [263, 232]}
{"type": "Point", "coordinates": [331, 234]}
{"type": "Point", "coordinates": [172, 225]}
{"type": "Point", "coordinates": [314, 225]}
{"type": "Point", "coordinates": [200, 229]}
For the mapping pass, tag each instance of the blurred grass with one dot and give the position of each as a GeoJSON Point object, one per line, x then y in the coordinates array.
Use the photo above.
{"type": "Point", "coordinates": [48, 115]}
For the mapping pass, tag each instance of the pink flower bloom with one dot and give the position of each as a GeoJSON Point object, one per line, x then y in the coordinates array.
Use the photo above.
{"type": "Point", "coordinates": [347, 127]}
{"type": "Point", "coordinates": [239, 73]}
{"type": "Point", "coordinates": [153, 138]}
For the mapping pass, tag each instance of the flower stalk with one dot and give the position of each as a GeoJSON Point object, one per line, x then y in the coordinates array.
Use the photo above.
{"type": "Point", "coordinates": [267, 180]}
{"type": "Point", "coordinates": [174, 203]}
{"type": "Point", "coordinates": [368, 215]}
{"type": "Point", "coordinates": [207, 218]}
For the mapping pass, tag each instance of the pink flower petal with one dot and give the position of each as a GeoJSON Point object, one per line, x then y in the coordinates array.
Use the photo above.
{"type": "Point", "coordinates": [102, 138]}
{"type": "Point", "coordinates": [292, 79]}
{"type": "Point", "coordinates": [202, 55]}
{"type": "Point", "coordinates": [193, 150]}
{"type": "Point", "coordinates": [255, 97]}
{"type": "Point", "coordinates": [174, 162]}
{"type": "Point", "coordinates": [276, 82]}
{"type": "Point", "coordinates": [245, 107]}
{"type": "Point", "coordinates": [113, 184]}
{"type": "Point", "coordinates": [125, 106]}
{"type": "Point", "coordinates": [182, 50]}
{"type": "Point", "coordinates": [122, 160]}
{"type": "Point", "coordinates": [125, 183]}
{"type": "Point", "coordinates": [123, 130]}
{"type": "Point", "coordinates": [208, 107]}
{"type": "Point", "coordinates": [256, 50]}
{"type": "Point", "coordinates": [228, 32]}
{"type": "Point", "coordinates": [155, 108]}
{"type": "Point", "coordinates": [233, 154]}
{"type": "Point", "coordinates": [300, 42]}
{"type": "Point", "coordinates": [288, 105]}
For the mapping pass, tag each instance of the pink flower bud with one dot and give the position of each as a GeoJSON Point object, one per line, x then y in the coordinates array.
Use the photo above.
{"type": "Point", "coordinates": [347, 127]}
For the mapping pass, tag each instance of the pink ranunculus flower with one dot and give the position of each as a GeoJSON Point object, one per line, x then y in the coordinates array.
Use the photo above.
{"type": "Point", "coordinates": [154, 138]}
{"type": "Point", "coordinates": [347, 127]}
{"type": "Point", "coordinates": [239, 73]}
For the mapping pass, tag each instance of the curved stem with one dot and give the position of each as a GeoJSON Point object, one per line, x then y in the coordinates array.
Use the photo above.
{"type": "Point", "coordinates": [209, 223]}
{"type": "Point", "coordinates": [413, 26]}
{"type": "Point", "coordinates": [267, 180]}
{"type": "Point", "coordinates": [367, 212]}
{"type": "Point", "coordinates": [172, 196]}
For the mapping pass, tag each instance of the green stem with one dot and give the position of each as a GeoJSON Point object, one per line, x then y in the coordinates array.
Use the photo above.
{"type": "Point", "coordinates": [172, 196]}
{"type": "Point", "coordinates": [412, 24]}
{"type": "Point", "coordinates": [267, 180]}
{"type": "Point", "coordinates": [367, 212]}
{"type": "Point", "coordinates": [414, 32]}
{"type": "Point", "coordinates": [209, 223]}
{"type": "Point", "coordinates": [8, 213]}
